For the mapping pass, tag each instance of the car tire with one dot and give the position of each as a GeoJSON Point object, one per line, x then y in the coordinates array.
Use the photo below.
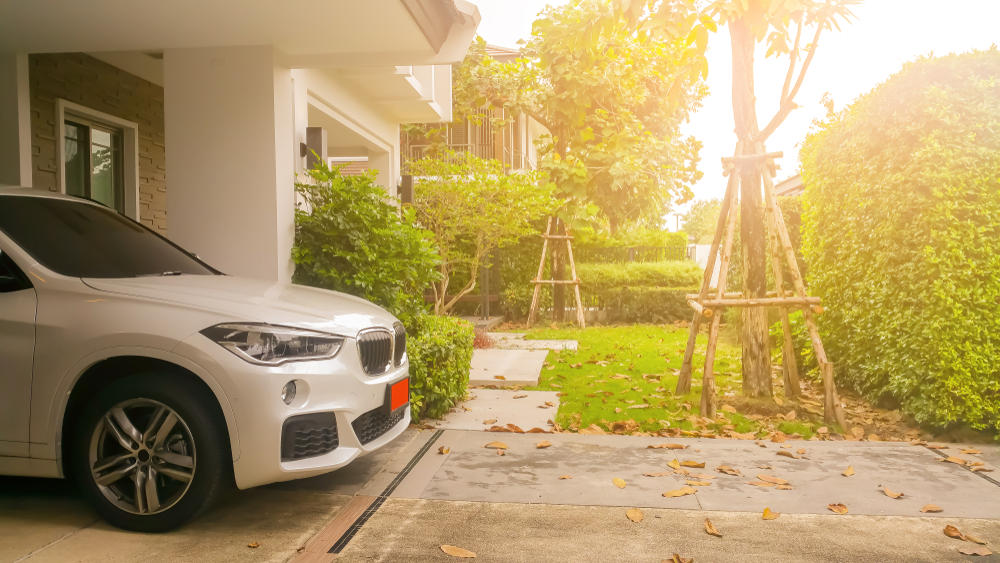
{"type": "Point", "coordinates": [151, 452]}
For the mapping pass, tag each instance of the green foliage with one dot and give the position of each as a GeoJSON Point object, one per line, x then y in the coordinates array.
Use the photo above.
{"type": "Point", "coordinates": [702, 219]}
{"type": "Point", "coordinates": [805, 354]}
{"type": "Point", "coordinates": [902, 235]}
{"type": "Point", "coordinates": [640, 292]}
{"type": "Point", "coordinates": [600, 277]}
{"type": "Point", "coordinates": [350, 237]}
{"type": "Point", "coordinates": [631, 235]}
{"type": "Point", "coordinates": [613, 105]}
{"type": "Point", "coordinates": [440, 352]}
{"type": "Point", "coordinates": [471, 207]}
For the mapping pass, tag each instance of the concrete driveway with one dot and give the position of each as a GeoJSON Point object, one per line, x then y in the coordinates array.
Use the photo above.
{"type": "Point", "coordinates": [404, 502]}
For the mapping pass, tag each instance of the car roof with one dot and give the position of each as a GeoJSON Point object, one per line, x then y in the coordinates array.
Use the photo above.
{"type": "Point", "coordinates": [38, 192]}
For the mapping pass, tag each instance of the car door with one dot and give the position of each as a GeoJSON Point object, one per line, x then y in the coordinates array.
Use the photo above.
{"type": "Point", "coordinates": [17, 347]}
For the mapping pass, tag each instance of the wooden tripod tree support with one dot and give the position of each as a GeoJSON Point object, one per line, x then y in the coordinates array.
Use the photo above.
{"type": "Point", "coordinates": [706, 307]}
{"type": "Point", "coordinates": [536, 299]}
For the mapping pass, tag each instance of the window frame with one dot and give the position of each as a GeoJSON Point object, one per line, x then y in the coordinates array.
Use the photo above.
{"type": "Point", "coordinates": [130, 149]}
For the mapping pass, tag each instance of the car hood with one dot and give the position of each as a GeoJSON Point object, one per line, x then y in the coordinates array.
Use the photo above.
{"type": "Point", "coordinates": [244, 299]}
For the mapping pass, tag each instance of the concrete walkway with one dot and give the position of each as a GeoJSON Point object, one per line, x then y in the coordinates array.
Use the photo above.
{"type": "Point", "coordinates": [405, 501]}
{"type": "Point", "coordinates": [524, 409]}
{"type": "Point", "coordinates": [506, 368]}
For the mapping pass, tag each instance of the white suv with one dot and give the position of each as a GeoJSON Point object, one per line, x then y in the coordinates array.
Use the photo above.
{"type": "Point", "coordinates": [154, 380]}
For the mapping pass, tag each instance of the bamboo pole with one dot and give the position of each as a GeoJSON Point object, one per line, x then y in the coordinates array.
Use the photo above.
{"type": "Point", "coordinates": [764, 302]}
{"type": "Point", "coordinates": [789, 366]}
{"type": "Point", "coordinates": [581, 320]}
{"type": "Point", "coordinates": [533, 312]}
{"type": "Point", "coordinates": [684, 379]}
{"type": "Point", "coordinates": [736, 295]}
{"type": "Point", "coordinates": [708, 374]}
{"type": "Point", "coordinates": [832, 410]}
{"type": "Point", "coordinates": [756, 157]}
{"type": "Point", "coordinates": [699, 308]}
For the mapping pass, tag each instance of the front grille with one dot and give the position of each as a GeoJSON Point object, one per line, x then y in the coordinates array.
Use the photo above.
{"type": "Point", "coordinates": [399, 348]}
{"type": "Point", "coordinates": [309, 435]}
{"type": "Point", "coordinates": [375, 350]}
{"type": "Point", "coordinates": [376, 422]}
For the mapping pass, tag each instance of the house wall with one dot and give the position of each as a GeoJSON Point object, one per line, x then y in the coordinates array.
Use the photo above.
{"type": "Point", "coordinates": [84, 80]}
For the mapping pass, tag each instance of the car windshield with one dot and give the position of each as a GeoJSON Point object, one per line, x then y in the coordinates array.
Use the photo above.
{"type": "Point", "coordinates": [82, 240]}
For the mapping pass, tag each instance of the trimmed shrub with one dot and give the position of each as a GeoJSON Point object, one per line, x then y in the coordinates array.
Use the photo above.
{"type": "Point", "coordinates": [440, 352]}
{"type": "Point", "coordinates": [902, 236]}
{"type": "Point", "coordinates": [602, 277]}
{"type": "Point", "coordinates": [640, 292]}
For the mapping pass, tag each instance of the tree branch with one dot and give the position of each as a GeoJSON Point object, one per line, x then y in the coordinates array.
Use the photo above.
{"type": "Point", "coordinates": [792, 57]}
{"type": "Point", "coordinates": [788, 104]}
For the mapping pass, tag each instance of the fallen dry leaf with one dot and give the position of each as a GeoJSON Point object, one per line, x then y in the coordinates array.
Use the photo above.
{"type": "Point", "coordinates": [889, 493]}
{"type": "Point", "coordinates": [768, 515]}
{"type": "Point", "coordinates": [790, 416]}
{"type": "Point", "coordinates": [801, 451]}
{"type": "Point", "coordinates": [674, 464]}
{"type": "Point", "coordinates": [952, 532]}
{"type": "Point", "coordinates": [667, 446]}
{"type": "Point", "coordinates": [677, 559]}
{"type": "Point", "coordinates": [543, 444]}
{"type": "Point", "coordinates": [680, 492]}
{"type": "Point", "coordinates": [659, 474]}
{"type": "Point", "coordinates": [980, 468]}
{"type": "Point", "coordinates": [457, 551]}
{"type": "Point", "coordinates": [490, 421]}
{"type": "Point", "coordinates": [695, 464]}
{"type": "Point", "coordinates": [729, 409]}
{"type": "Point", "coordinates": [956, 460]}
{"type": "Point", "coordinates": [774, 480]}
{"type": "Point", "coordinates": [499, 445]}
{"type": "Point", "coordinates": [634, 514]}
{"type": "Point", "coordinates": [838, 508]}
{"type": "Point", "coordinates": [565, 476]}
{"type": "Point", "coordinates": [974, 539]}
{"type": "Point", "coordinates": [536, 430]}
{"type": "Point", "coordinates": [918, 442]}
{"type": "Point", "coordinates": [501, 451]}
{"type": "Point", "coordinates": [937, 447]}
{"type": "Point", "coordinates": [698, 483]}
{"type": "Point", "coordinates": [549, 404]}
{"type": "Point", "coordinates": [620, 483]}
{"type": "Point", "coordinates": [465, 408]}
{"type": "Point", "coordinates": [970, 451]}
{"type": "Point", "coordinates": [520, 396]}
{"type": "Point", "coordinates": [778, 401]}
{"type": "Point", "coordinates": [515, 428]}
{"type": "Point", "coordinates": [784, 487]}
{"type": "Point", "coordinates": [443, 450]}
{"type": "Point", "coordinates": [932, 508]}
{"type": "Point", "coordinates": [711, 529]}
{"type": "Point", "coordinates": [729, 470]}
{"type": "Point", "coordinates": [760, 483]}
{"type": "Point", "coordinates": [702, 476]}
{"type": "Point", "coordinates": [787, 453]}
{"type": "Point", "coordinates": [849, 471]}
{"type": "Point", "coordinates": [874, 438]}
{"type": "Point", "coordinates": [765, 466]}
{"type": "Point", "coordinates": [499, 377]}
{"type": "Point", "coordinates": [253, 545]}
{"type": "Point", "coordinates": [974, 551]}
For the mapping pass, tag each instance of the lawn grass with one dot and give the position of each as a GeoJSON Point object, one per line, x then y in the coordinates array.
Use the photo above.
{"type": "Point", "coordinates": [639, 366]}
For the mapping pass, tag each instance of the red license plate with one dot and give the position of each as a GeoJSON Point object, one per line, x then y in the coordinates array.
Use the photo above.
{"type": "Point", "coordinates": [399, 394]}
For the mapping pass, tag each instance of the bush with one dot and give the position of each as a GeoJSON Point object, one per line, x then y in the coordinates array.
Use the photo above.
{"type": "Point", "coordinates": [440, 352]}
{"type": "Point", "coordinates": [902, 236]}
{"type": "Point", "coordinates": [805, 355]}
{"type": "Point", "coordinates": [350, 237]}
{"type": "Point", "coordinates": [640, 292]}
{"type": "Point", "coordinates": [603, 277]}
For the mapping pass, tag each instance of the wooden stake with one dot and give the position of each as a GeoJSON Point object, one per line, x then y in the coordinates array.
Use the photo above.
{"type": "Point", "coordinates": [697, 307]}
{"type": "Point", "coordinates": [789, 366]}
{"type": "Point", "coordinates": [708, 375]}
{"type": "Point", "coordinates": [581, 320]}
{"type": "Point", "coordinates": [533, 312]}
{"type": "Point", "coordinates": [684, 379]}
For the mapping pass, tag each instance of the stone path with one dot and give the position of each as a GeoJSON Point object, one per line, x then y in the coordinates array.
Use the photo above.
{"type": "Point", "coordinates": [516, 367]}
{"type": "Point", "coordinates": [502, 406]}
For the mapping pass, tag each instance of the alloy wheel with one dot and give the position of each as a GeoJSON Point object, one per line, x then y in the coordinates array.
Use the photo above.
{"type": "Point", "coordinates": [142, 456]}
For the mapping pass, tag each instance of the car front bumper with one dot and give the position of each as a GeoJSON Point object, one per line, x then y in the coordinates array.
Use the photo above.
{"type": "Point", "coordinates": [254, 392]}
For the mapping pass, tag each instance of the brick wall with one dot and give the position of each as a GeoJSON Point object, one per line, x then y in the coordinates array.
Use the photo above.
{"type": "Point", "coordinates": [84, 80]}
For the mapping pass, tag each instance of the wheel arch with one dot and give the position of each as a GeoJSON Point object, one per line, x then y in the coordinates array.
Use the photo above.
{"type": "Point", "coordinates": [106, 370]}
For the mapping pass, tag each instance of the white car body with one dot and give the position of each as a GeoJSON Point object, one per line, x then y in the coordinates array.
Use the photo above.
{"type": "Point", "coordinates": [77, 323]}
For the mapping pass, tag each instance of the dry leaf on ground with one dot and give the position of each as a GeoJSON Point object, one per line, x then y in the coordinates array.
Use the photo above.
{"type": "Point", "coordinates": [765, 466]}
{"type": "Point", "coordinates": [634, 514]}
{"type": "Point", "coordinates": [490, 421]}
{"type": "Point", "coordinates": [801, 451]}
{"type": "Point", "coordinates": [728, 470]}
{"type": "Point", "coordinates": [932, 508]}
{"type": "Point", "coordinates": [515, 428]}
{"type": "Point", "coordinates": [457, 551]}
{"type": "Point", "coordinates": [937, 447]}
{"type": "Point", "coordinates": [918, 442]}
{"type": "Point", "coordinates": [770, 479]}
{"type": "Point", "coordinates": [760, 483]}
{"type": "Point", "coordinates": [729, 409]}
{"type": "Point", "coordinates": [849, 471]}
{"type": "Point", "coordinates": [889, 493]}
{"type": "Point", "coordinates": [620, 483]}
{"type": "Point", "coordinates": [520, 396]}
{"type": "Point", "coordinates": [659, 474]}
{"type": "Point", "coordinates": [443, 450]}
{"type": "Point", "coordinates": [499, 445]}
{"type": "Point", "coordinates": [698, 483]}
{"type": "Point", "coordinates": [543, 444]}
{"type": "Point", "coordinates": [974, 539]}
{"type": "Point", "coordinates": [768, 515]}
{"type": "Point", "coordinates": [970, 451]}
{"type": "Point", "coordinates": [499, 377]}
{"type": "Point", "coordinates": [667, 446]}
{"type": "Point", "coordinates": [536, 430]}
{"type": "Point", "coordinates": [784, 487]}
{"type": "Point", "coordinates": [674, 464]}
{"type": "Point", "coordinates": [787, 453]}
{"type": "Point", "coordinates": [565, 476]}
{"type": "Point", "coordinates": [838, 508]}
{"type": "Point", "coordinates": [694, 464]}
{"type": "Point", "coordinates": [501, 451]}
{"type": "Point", "coordinates": [702, 476]}
{"type": "Point", "coordinates": [711, 529]}
{"type": "Point", "coordinates": [955, 460]}
{"type": "Point", "coordinates": [952, 532]}
{"type": "Point", "coordinates": [975, 551]}
{"type": "Point", "coordinates": [253, 545]}
{"type": "Point", "coordinates": [680, 492]}
{"type": "Point", "coordinates": [677, 559]}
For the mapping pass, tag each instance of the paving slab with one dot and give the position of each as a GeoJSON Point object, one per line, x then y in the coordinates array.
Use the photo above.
{"type": "Point", "coordinates": [414, 530]}
{"type": "Point", "coordinates": [517, 367]}
{"type": "Point", "coordinates": [501, 406]}
{"type": "Point", "coordinates": [516, 341]}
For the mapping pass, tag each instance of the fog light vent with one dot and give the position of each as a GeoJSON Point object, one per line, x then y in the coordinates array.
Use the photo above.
{"type": "Point", "coordinates": [309, 435]}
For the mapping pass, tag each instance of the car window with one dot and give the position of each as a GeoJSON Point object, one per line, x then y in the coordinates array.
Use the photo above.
{"type": "Point", "coordinates": [11, 277]}
{"type": "Point", "coordinates": [83, 240]}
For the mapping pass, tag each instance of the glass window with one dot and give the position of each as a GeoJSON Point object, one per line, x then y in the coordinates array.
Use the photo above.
{"type": "Point", "coordinates": [94, 163]}
{"type": "Point", "coordinates": [11, 277]}
{"type": "Point", "coordinates": [82, 240]}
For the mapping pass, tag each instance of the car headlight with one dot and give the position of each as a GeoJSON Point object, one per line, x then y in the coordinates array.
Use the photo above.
{"type": "Point", "coordinates": [270, 345]}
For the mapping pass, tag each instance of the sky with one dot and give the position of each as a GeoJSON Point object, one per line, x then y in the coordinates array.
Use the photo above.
{"type": "Point", "coordinates": [883, 35]}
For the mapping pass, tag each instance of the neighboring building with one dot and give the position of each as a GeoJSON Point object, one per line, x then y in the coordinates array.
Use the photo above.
{"type": "Point", "coordinates": [791, 186]}
{"type": "Point", "coordinates": [514, 144]}
{"type": "Point", "coordinates": [195, 117]}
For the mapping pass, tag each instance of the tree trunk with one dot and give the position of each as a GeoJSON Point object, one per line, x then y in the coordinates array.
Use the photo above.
{"type": "Point", "coordinates": [753, 237]}
{"type": "Point", "coordinates": [558, 273]}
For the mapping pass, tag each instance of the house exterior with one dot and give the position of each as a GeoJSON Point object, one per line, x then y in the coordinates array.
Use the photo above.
{"type": "Point", "coordinates": [790, 187]}
{"type": "Point", "coordinates": [195, 117]}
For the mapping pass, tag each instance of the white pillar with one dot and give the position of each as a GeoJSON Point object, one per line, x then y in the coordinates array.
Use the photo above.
{"type": "Point", "coordinates": [15, 120]}
{"type": "Point", "coordinates": [231, 155]}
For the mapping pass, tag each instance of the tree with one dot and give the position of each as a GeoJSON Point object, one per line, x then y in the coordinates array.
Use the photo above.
{"type": "Point", "coordinates": [614, 154]}
{"type": "Point", "coordinates": [471, 207]}
{"type": "Point", "coordinates": [700, 220]}
{"type": "Point", "coordinates": [750, 22]}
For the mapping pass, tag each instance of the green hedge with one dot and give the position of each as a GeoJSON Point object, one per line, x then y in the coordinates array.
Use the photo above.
{"type": "Point", "coordinates": [440, 352]}
{"type": "Point", "coordinates": [604, 277]}
{"type": "Point", "coordinates": [902, 236]}
{"type": "Point", "coordinates": [640, 292]}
